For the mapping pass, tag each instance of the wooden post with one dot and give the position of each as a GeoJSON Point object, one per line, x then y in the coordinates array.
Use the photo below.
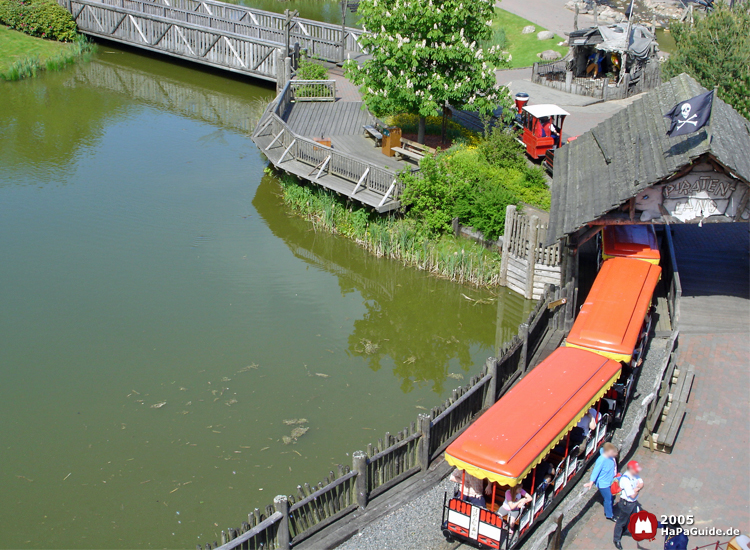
{"type": "Point", "coordinates": [533, 240]}
{"type": "Point", "coordinates": [423, 452]}
{"type": "Point", "coordinates": [295, 56]}
{"type": "Point", "coordinates": [510, 214]}
{"type": "Point", "coordinates": [283, 540]}
{"type": "Point", "coordinates": [596, 14]}
{"type": "Point", "coordinates": [523, 333]}
{"type": "Point", "coordinates": [343, 31]}
{"type": "Point", "coordinates": [359, 465]}
{"type": "Point", "coordinates": [287, 69]}
{"type": "Point", "coordinates": [499, 332]}
{"type": "Point", "coordinates": [575, 18]}
{"type": "Point", "coordinates": [279, 71]}
{"type": "Point", "coordinates": [491, 395]}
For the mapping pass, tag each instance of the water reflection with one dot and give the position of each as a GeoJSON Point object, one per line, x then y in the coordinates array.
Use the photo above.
{"type": "Point", "coordinates": [48, 121]}
{"type": "Point", "coordinates": [406, 324]}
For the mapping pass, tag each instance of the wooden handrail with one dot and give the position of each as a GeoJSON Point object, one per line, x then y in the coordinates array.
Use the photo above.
{"type": "Point", "coordinates": [320, 492]}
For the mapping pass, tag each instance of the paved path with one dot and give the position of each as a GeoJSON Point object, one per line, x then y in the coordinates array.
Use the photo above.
{"type": "Point", "coordinates": [707, 473]}
{"type": "Point", "coordinates": [585, 112]}
{"type": "Point", "coordinates": [550, 14]}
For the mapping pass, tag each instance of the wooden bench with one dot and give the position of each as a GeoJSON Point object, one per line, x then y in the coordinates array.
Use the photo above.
{"type": "Point", "coordinates": [373, 132]}
{"type": "Point", "coordinates": [664, 424]}
{"type": "Point", "coordinates": [413, 150]}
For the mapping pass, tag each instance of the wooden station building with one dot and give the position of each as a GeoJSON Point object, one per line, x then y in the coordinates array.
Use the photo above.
{"type": "Point", "coordinates": [626, 170]}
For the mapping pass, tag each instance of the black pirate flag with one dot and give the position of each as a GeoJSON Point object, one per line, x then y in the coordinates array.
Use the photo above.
{"type": "Point", "coordinates": [691, 115]}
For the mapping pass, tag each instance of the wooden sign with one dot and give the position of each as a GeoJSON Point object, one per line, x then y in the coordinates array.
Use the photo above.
{"type": "Point", "coordinates": [702, 194]}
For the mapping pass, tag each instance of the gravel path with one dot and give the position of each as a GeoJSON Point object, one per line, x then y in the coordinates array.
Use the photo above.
{"type": "Point", "coordinates": [414, 526]}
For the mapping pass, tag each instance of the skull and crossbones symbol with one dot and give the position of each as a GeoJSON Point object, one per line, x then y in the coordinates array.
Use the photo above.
{"type": "Point", "coordinates": [687, 119]}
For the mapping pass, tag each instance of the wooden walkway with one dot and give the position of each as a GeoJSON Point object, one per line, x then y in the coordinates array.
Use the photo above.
{"type": "Point", "coordinates": [225, 36]}
{"type": "Point", "coordinates": [353, 166]}
{"type": "Point", "coordinates": [318, 119]}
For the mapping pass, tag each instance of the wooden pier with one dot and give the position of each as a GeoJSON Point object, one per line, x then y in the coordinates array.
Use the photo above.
{"type": "Point", "coordinates": [311, 131]}
{"type": "Point", "coordinates": [224, 36]}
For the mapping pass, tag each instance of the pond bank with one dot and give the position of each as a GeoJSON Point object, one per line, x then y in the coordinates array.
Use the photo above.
{"type": "Point", "coordinates": [456, 259]}
{"type": "Point", "coordinates": [24, 56]}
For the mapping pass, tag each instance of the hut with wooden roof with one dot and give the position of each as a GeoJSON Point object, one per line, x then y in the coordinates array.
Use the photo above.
{"type": "Point", "coordinates": [626, 170]}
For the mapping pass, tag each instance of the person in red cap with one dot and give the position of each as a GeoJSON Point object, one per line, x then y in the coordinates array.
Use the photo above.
{"type": "Point", "coordinates": [630, 485]}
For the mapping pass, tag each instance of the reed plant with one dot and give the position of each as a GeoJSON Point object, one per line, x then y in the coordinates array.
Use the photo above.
{"type": "Point", "coordinates": [393, 236]}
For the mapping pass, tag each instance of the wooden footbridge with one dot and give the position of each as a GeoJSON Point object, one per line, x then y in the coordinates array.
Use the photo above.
{"type": "Point", "coordinates": [225, 36]}
{"type": "Point", "coordinates": [313, 132]}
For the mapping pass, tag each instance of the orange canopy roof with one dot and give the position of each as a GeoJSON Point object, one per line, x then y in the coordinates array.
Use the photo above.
{"type": "Point", "coordinates": [516, 433]}
{"type": "Point", "coordinates": [610, 321]}
{"type": "Point", "coordinates": [630, 241]}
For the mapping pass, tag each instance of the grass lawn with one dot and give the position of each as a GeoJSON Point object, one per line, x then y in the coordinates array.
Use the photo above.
{"type": "Point", "coordinates": [523, 47]}
{"type": "Point", "coordinates": [15, 45]}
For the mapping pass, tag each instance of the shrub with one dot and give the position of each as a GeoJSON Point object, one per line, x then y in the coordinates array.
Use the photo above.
{"type": "Point", "coordinates": [42, 18]}
{"type": "Point", "coordinates": [461, 183]}
{"type": "Point", "coordinates": [500, 148]}
{"type": "Point", "coordinates": [429, 197]}
{"type": "Point", "coordinates": [309, 70]}
{"type": "Point", "coordinates": [716, 51]}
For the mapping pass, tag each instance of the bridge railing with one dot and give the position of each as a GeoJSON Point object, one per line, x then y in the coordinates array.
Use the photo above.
{"type": "Point", "coordinates": [321, 39]}
{"type": "Point", "coordinates": [131, 22]}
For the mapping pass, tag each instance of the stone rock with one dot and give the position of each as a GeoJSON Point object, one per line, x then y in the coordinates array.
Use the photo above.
{"type": "Point", "coordinates": [584, 6]}
{"type": "Point", "coordinates": [545, 35]}
{"type": "Point", "coordinates": [528, 29]}
{"type": "Point", "coordinates": [609, 16]}
{"type": "Point", "coordinates": [549, 55]}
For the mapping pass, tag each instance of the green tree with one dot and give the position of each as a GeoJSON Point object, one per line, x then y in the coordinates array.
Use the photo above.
{"type": "Point", "coordinates": [716, 51]}
{"type": "Point", "coordinates": [427, 52]}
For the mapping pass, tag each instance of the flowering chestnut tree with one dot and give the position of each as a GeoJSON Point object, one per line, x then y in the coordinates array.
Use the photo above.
{"type": "Point", "coordinates": [426, 52]}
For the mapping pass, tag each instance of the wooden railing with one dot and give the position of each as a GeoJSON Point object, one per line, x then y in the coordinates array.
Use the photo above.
{"type": "Point", "coordinates": [363, 174]}
{"type": "Point", "coordinates": [323, 40]}
{"type": "Point", "coordinates": [409, 452]}
{"type": "Point", "coordinates": [193, 37]}
{"type": "Point", "coordinates": [313, 90]}
{"type": "Point", "coordinates": [671, 277]}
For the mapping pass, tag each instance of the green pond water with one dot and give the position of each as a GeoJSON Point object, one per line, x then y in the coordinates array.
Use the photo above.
{"type": "Point", "coordinates": [145, 258]}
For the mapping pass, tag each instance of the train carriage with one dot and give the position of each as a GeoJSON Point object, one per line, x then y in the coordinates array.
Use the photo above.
{"type": "Point", "coordinates": [528, 429]}
{"type": "Point", "coordinates": [630, 241]}
{"type": "Point", "coordinates": [615, 320]}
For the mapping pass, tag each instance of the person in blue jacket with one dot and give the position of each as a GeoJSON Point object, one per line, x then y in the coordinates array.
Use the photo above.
{"type": "Point", "coordinates": [674, 539]}
{"type": "Point", "coordinates": [603, 474]}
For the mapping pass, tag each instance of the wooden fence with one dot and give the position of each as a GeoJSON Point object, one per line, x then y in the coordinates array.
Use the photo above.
{"type": "Point", "coordinates": [528, 265]}
{"type": "Point", "coordinates": [409, 452]}
{"type": "Point", "coordinates": [555, 74]}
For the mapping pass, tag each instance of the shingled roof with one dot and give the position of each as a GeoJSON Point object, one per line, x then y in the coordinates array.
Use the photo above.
{"type": "Point", "coordinates": [630, 151]}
